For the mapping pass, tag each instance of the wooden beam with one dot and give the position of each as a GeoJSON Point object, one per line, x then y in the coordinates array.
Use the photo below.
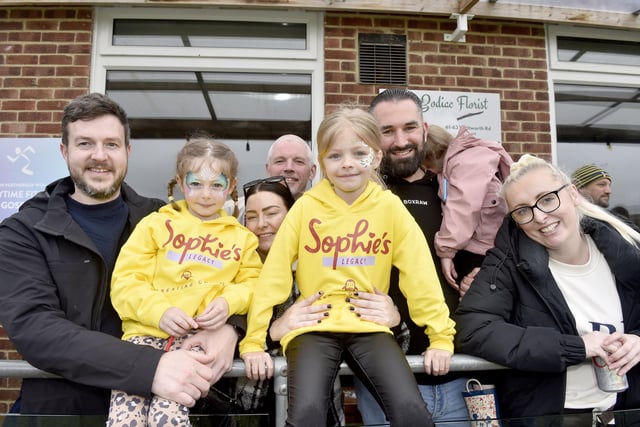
{"type": "Point", "coordinates": [497, 10]}
{"type": "Point", "coordinates": [466, 6]}
{"type": "Point", "coordinates": [437, 7]}
{"type": "Point", "coordinates": [557, 15]}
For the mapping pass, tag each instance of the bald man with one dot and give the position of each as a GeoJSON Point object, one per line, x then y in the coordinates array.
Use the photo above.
{"type": "Point", "coordinates": [291, 157]}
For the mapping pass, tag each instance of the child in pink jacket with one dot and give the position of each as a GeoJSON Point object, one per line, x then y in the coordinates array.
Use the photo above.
{"type": "Point", "coordinates": [470, 173]}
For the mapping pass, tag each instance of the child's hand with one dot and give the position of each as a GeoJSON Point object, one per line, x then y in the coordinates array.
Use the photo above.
{"type": "Point", "coordinates": [215, 315]}
{"type": "Point", "coordinates": [258, 365]}
{"type": "Point", "coordinates": [437, 361]}
{"type": "Point", "coordinates": [449, 272]}
{"type": "Point", "coordinates": [176, 322]}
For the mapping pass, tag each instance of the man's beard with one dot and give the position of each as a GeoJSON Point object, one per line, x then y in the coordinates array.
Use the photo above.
{"type": "Point", "coordinates": [403, 168]}
{"type": "Point", "coordinates": [95, 193]}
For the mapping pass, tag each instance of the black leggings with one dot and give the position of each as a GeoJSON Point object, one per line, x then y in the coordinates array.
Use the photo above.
{"type": "Point", "coordinates": [313, 360]}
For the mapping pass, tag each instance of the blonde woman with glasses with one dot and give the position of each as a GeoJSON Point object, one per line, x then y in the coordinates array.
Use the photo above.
{"type": "Point", "coordinates": [559, 288]}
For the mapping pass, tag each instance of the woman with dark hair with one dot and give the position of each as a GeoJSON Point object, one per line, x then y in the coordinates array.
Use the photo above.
{"type": "Point", "coordinates": [270, 202]}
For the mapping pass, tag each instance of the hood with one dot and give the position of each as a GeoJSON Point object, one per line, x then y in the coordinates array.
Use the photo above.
{"type": "Point", "coordinates": [324, 194]}
{"type": "Point", "coordinates": [171, 212]}
{"type": "Point", "coordinates": [465, 139]}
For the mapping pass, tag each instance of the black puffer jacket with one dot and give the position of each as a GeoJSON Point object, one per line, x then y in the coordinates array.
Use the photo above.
{"type": "Point", "coordinates": [54, 294]}
{"type": "Point", "coordinates": [514, 314]}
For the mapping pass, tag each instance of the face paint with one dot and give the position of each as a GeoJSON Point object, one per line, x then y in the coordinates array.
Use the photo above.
{"type": "Point", "coordinates": [207, 174]}
{"type": "Point", "coordinates": [368, 159]}
{"type": "Point", "coordinates": [221, 182]}
{"type": "Point", "coordinates": [215, 182]}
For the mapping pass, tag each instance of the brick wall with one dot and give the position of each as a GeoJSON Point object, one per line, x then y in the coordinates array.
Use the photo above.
{"type": "Point", "coordinates": [8, 386]}
{"type": "Point", "coordinates": [45, 56]}
{"type": "Point", "coordinates": [508, 58]}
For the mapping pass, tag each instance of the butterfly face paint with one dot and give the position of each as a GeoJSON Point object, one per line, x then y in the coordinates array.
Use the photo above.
{"type": "Point", "coordinates": [207, 179]}
{"type": "Point", "coordinates": [207, 174]}
{"type": "Point", "coordinates": [365, 154]}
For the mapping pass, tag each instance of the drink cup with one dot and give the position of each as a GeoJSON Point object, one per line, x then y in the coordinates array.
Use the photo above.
{"type": "Point", "coordinates": [607, 379]}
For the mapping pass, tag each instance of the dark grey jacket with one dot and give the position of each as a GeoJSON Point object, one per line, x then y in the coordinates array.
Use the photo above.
{"type": "Point", "coordinates": [54, 294]}
{"type": "Point", "coordinates": [514, 314]}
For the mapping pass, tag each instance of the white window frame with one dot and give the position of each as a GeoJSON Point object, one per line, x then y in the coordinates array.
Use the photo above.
{"type": "Point", "coordinates": [555, 31]}
{"type": "Point", "coordinates": [590, 74]}
{"type": "Point", "coordinates": [584, 73]}
{"type": "Point", "coordinates": [106, 56]}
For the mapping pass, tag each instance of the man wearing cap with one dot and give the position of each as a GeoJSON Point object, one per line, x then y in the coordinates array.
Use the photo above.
{"type": "Point", "coordinates": [594, 184]}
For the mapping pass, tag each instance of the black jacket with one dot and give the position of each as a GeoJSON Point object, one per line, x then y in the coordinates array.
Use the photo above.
{"type": "Point", "coordinates": [420, 197]}
{"type": "Point", "coordinates": [514, 314]}
{"type": "Point", "coordinates": [54, 294]}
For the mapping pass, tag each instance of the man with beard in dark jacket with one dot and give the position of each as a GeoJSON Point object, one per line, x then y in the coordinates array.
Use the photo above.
{"type": "Point", "coordinates": [56, 258]}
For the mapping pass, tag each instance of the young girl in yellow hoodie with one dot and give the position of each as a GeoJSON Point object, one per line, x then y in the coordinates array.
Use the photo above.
{"type": "Point", "coordinates": [188, 266]}
{"type": "Point", "coordinates": [346, 234]}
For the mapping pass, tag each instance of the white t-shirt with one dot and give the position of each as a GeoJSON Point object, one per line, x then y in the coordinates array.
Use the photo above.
{"type": "Point", "coordinates": [591, 294]}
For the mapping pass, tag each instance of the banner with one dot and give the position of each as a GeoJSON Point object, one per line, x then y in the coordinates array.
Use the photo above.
{"type": "Point", "coordinates": [478, 111]}
{"type": "Point", "coordinates": [27, 165]}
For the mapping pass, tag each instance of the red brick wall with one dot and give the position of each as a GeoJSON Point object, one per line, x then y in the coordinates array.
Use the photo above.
{"type": "Point", "coordinates": [45, 56]}
{"type": "Point", "coordinates": [508, 58]}
{"type": "Point", "coordinates": [8, 386]}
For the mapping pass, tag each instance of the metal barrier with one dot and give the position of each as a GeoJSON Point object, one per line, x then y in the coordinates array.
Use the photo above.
{"type": "Point", "coordinates": [459, 363]}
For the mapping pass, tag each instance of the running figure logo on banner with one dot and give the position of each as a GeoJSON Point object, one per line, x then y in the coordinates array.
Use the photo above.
{"type": "Point", "coordinates": [27, 166]}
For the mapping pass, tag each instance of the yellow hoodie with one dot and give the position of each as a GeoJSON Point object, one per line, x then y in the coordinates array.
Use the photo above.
{"type": "Point", "coordinates": [174, 259]}
{"type": "Point", "coordinates": [342, 249]}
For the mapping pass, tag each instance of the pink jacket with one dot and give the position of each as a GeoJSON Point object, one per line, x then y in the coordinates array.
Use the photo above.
{"type": "Point", "coordinates": [472, 174]}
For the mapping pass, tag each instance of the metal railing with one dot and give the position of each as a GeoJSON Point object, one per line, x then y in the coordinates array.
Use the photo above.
{"type": "Point", "coordinates": [459, 363]}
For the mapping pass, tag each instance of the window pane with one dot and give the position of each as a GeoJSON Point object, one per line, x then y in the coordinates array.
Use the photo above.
{"type": "Point", "coordinates": [247, 111]}
{"type": "Point", "coordinates": [597, 113]}
{"type": "Point", "coordinates": [170, 104]}
{"type": "Point", "coordinates": [598, 51]}
{"type": "Point", "coordinates": [210, 34]}
{"type": "Point", "coordinates": [598, 124]}
{"type": "Point", "coordinates": [618, 159]}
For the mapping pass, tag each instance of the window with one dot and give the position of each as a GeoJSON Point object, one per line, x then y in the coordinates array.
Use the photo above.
{"type": "Point", "coordinates": [598, 51]}
{"type": "Point", "coordinates": [210, 34]}
{"type": "Point", "coordinates": [245, 77]}
{"type": "Point", "coordinates": [596, 102]}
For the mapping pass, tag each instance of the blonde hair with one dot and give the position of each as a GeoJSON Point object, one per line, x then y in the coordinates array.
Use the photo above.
{"type": "Point", "coordinates": [438, 140]}
{"type": "Point", "coordinates": [201, 151]}
{"type": "Point", "coordinates": [528, 163]}
{"type": "Point", "coordinates": [360, 122]}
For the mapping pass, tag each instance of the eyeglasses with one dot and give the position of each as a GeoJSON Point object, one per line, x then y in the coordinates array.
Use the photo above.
{"type": "Point", "coordinates": [269, 180]}
{"type": "Point", "coordinates": [547, 203]}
